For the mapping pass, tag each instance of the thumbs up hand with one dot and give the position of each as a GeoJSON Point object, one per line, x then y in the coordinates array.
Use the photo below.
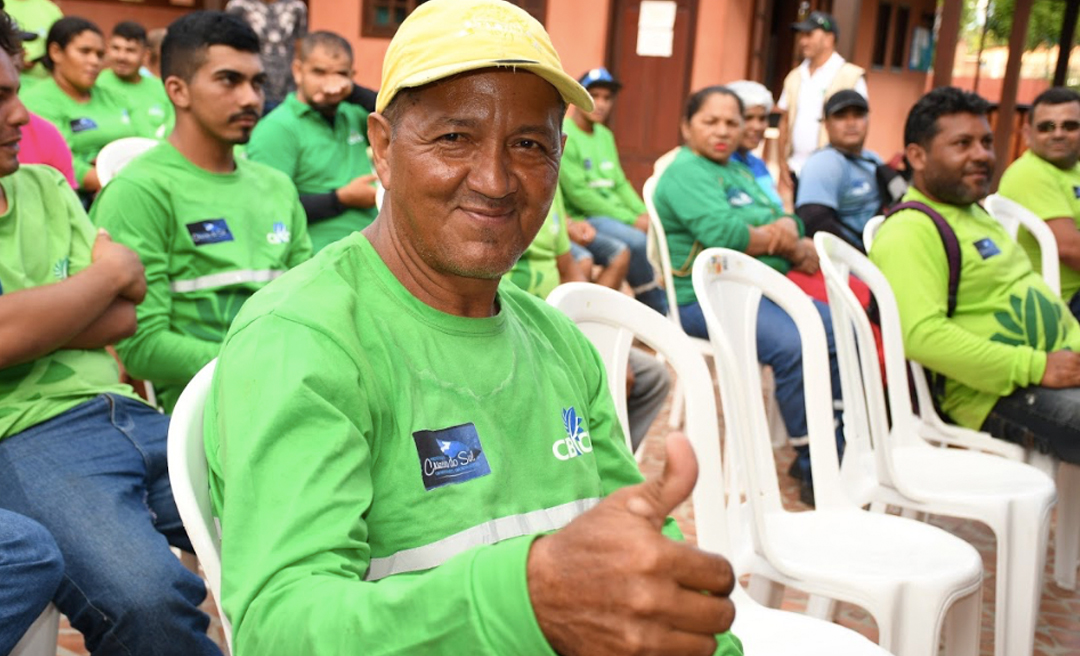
{"type": "Point", "coordinates": [610, 583]}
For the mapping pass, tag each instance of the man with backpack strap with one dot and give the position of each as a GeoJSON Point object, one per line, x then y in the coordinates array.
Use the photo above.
{"type": "Point", "coordinates": [822, 73]}
{"type": "Point", "coordinates": [972, 309]}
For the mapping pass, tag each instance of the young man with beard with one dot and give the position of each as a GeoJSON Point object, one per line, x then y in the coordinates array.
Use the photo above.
{"type": "Point", "coordinates": [211, 229]}
{"type": "Point", "coordinates": [320, 141]}
{"type": "Point", "coordinates": [1046, 180]}
{"type": "Point", "coordinates": [151, 111]}
{"type": "Point", "coordinates": [1005, 346]}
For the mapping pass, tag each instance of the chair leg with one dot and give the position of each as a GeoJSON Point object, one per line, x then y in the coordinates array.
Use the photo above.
{"type": "Point", "coordinates": [820, 607]}
{"type": "Point", "coordinates": [962, 625]}
{"type": "Point", "coordinates": [766, 592]}
{"type": "Point", "coordinates": [1067, 534]}
{"type": "Point", "coordinates": [1020, 563]}
{"type": "Point", "coordinates": [675, 416]}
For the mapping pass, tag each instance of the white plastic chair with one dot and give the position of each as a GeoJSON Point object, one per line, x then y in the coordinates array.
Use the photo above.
{"type": "Point", "coordinates": [191, 483]}
{"type": "Point", "coordinates": [40, 638]}
{"type": "Point", "coordinates": [116, 155]}
{"type": "Point", "coordinates": [914, 579]}
{"type": "Point", "coordinates": [612, 321]}
{"type": "Point", "coordinates": [889, 463]}
{"type": "Point", "coordinates": [933, 427]}
{"type": "Point", "coordinates": [658, 239]}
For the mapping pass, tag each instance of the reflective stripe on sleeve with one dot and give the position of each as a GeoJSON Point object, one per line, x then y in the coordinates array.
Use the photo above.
{"type": "Point", "coordinates": [224, 279]}
{"type": "Point", "coordinates": [497, 530]}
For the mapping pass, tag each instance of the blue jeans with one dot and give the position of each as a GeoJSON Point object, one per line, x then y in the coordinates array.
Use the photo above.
{"type": "Point", "coordinates": [1040, 418]}
{"type": "Point", "coordinates": [601, 249]}
{"type": "Point", "coordinates": [779, 347]}
{"type": "Point", "coordinates": [96, 477]}
{"type": "Point", "coordinates": [640, 275]}
{"type": "Point", "coordinates": [30, 569]}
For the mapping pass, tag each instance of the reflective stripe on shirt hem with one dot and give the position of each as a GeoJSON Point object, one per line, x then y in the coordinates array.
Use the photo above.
{"type": "Point", "coordinates": [224, 279]}
{"type": "Point", "coordinates": [497, 530]}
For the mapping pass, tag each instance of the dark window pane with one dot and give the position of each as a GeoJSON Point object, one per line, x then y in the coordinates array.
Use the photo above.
{"type": "Point", "coordinates": [881, 33]}
{"type": "Point", "coordinates": [900, 36]}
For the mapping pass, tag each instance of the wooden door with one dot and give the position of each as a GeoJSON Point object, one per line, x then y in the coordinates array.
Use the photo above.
{"type": "Point", "coordinates": [645, 119]}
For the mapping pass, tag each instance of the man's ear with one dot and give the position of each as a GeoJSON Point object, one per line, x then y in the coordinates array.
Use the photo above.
{"type": "Point", "coordinates": [296, 65]}
{"type": "Point", "coordinates": [379, 135]}
{"type": "Point", "coordinates": [1027, 133]}
{"type": "Point", "coordinates": [916, 156]}
{"type": "Point", "coordinates": [178, 91]}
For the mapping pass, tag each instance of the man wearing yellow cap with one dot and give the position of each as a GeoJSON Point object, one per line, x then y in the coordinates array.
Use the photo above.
{"type": "Point", "coordinates": [409, 456]}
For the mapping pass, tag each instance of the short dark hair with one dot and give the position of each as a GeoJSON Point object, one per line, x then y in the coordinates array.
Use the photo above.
{"type": "Point", "coordinates": [323, 39]}
{"type": "Point", "coordinates": [10, 42]}
{"type": "Point", "coordinates": [131, 31]}
{"type": "Point", "coordinates": [698, 98]}
{"type": "Point", "coordinates": [1053, 96]}
{"type": "Point", "coordinates": [184, 49]}
{"type": "Point", "coordinates": [63, 31]}
{"type": "Point", "coordinates": [922, 121]}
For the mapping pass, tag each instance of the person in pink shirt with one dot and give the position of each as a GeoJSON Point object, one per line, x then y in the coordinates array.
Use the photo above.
{"type": "Point", "coordinates": [42, 143]}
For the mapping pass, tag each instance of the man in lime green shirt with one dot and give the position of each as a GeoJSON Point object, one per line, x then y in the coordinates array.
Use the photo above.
{"type": "Point", "coordinates": [210, 229]}
{"type": "Point", "coordinates": [151, 111]}
{"type": "Point", "coordinates": [80, 453]}
{"type": "Point", "coordinates": [1046, 180]}
{"type": "Point", "coordinates": [320, 141]}
{"type": "Point", "coordinates": [394, 432]}
{"type": "Point", "coordinates": [1009, 349]}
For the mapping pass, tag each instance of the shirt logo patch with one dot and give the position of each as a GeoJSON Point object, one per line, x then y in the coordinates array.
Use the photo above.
{"type": "Point", "coordinates": [738, 198]}
{"type": "Point", "coordinates": [607, 166]}
{"type": "Point", "coordinates": [82, 124]}
{"type": "Point", "coordinates": [209, 231]}
{"type": "Point", "coordinates": [355, 138]}
{"type": "Point", "coordinates": [587, 163]}
{"type": "Point", "coordinates": [60, 269]}
{"type": "Point", "coordinates": [450, 455]}
{"type": "Point", "coordinates": [577, 441]}
{"type": "Point", "coordinates": [861, 188]}
{"type": "Point", "coordinates": [1076, 191]}
{"type": "Point", "coordinates": [280, 235]}
{"type": "Point", "coordinates": [987, 248]}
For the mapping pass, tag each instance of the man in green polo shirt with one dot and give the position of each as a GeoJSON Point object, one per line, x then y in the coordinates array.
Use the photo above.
{"type": "Point", "coordinates": [320, 141]}
{"type": "Point", "coordinates": [151, 111]}
{"type": "Point", "coordinates": [211, 229]}
{"type": "Point", "coordinates": [1009, 351]}
{"type": "Point", "coordinates": [1046, 180]}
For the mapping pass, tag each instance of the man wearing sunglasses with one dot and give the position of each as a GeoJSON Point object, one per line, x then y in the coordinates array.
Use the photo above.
{"type": "Point", "coordinates": [1046, 180]}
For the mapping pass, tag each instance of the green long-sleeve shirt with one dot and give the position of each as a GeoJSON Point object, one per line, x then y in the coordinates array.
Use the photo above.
{"type": "Point", "coordinates": [592, 179]}
{"type": "Point", "coordinates": [87, 127]}
{"type": "Point", "coordinates": [1006, 318]}
{"type": "Point", "coordinates": [381, 468]}
{"type": "Point", "coordinates": [704, 204]}
{"type": "Point", "coordinates": [208, 241]}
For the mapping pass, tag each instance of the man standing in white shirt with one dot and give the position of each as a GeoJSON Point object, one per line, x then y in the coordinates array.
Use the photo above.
{"type": "Point", "coordinates": [822, 73]}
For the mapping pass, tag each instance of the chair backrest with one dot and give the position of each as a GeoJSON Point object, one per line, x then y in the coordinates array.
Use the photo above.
{"type": "Point", "coordinates": [659, 248]}
{"type": "Point", "coordinates": [612, 321]}
{"type": "Point", "coordinates": [730, 286]}
{"type": "Point", "coordinates": [869, 230]}
{"type": "Point", "coordinates": [191, 483]}
{"type": "Point", "coordinates": [1011, 215]}
{"type": "Point", "coordinates": [116, 155]}
{"type": "Point", "coordinates": [863, 390]}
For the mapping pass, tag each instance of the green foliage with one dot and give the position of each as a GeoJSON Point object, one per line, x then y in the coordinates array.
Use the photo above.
{"type": "Point", "coordinates": [1044, 26]}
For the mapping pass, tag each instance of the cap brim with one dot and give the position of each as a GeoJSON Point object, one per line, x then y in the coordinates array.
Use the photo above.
{"type": "Point", "coordinates": [614, 86]}
{"type": "Point", "coordinates": [572, 92]}
{"type": "Point", "coordinates": [847, 105]}
{"type": "Point", "coordinates": [27, 36]}
{"type": "Point", "coordinates": [805, 27]}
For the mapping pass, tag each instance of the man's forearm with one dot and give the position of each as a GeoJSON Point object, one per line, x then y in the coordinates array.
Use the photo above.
{"type": "Point", "coordinates": [115, 323]}
{"type": "Point", "coordinates": [36, 322]}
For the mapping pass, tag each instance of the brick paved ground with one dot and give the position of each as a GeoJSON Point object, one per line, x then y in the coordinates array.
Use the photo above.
{"type": "Point", "coordinates": [1058, 632]}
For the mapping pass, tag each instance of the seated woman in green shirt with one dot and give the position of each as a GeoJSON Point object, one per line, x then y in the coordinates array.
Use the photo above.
{"type": "Point", "coordinates": [706, 199]}
{"type": "Point", "coordinates": [88, 116]}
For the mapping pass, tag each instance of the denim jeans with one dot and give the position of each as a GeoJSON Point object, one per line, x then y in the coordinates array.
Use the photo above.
{"type": "Point", "coordinates": [640, 275]}
{"type": "Point", "coordinates": [601, 249]}
{"type": "Point", "coordinates": [30, 570]}
{"type": "Point", "coordinates": [1039, 418]}
{"type": "Point", "coordinates": [96, 477]}
{"type": "Point", "coordinates": [779, 347]}
{"type": "Point", "coordinates": [647, 396]}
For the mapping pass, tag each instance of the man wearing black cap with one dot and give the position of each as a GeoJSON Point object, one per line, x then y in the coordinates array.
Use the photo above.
{"type": "Point", "coordinates": [822, 73]}
{"type": "Point", "coordinates": [838, 190]}
{"type": "Point", "coordinates": [595, 188]}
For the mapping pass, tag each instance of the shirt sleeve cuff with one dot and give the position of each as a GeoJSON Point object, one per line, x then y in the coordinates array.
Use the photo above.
{"type": "Point", "coordinates": [501, 591]}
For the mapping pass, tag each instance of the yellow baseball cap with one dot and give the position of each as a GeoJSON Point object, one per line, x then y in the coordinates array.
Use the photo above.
{"type": "Point", "coordinates": [442, 38]}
